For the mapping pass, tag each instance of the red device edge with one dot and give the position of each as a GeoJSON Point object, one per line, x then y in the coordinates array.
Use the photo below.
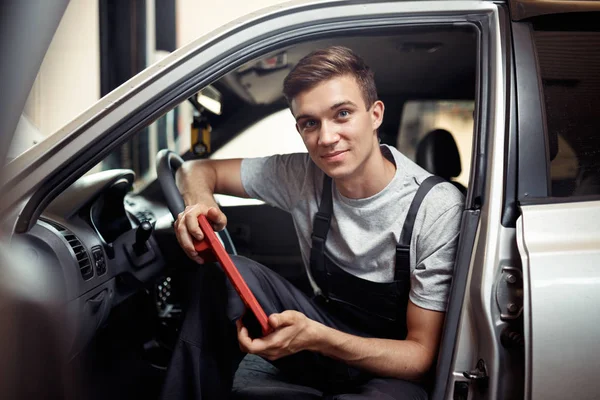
{"type": "Point", "coordinates": [211, 241]}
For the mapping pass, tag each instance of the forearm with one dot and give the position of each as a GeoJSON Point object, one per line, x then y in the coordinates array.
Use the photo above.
{"type": "Point", "coordinates": [196, 181]}
{"type": "Point", "coordinates": [403, 359]}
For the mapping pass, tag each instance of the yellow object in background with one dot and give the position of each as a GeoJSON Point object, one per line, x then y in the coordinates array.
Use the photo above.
{"type": "Point", "coordinates": [200, 137]}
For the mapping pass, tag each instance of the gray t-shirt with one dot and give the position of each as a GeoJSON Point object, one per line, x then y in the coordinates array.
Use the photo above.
{"type": "Point", "coordinates": [364, 232]}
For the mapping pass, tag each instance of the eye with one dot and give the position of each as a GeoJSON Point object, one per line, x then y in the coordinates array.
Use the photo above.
{"type": "Point", "coordinates": [311, 123]}
{"type": "Point", "coordinates": [343, 113]}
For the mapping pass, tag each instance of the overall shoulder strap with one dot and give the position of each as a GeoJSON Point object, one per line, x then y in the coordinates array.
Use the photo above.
{"type": "Point", "coordinates": [322, 219]}
{"type": "Point", "coordinates": [321, 224]}
{"type": "Point", "coordinates": [403, 246]}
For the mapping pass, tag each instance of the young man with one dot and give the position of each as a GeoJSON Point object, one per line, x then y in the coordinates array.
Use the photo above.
{"type": "Point", "coordinates": [381, 273]}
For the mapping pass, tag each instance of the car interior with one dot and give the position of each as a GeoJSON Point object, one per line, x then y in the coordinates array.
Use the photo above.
{"type": "Point", "coordinates": [126, 280]}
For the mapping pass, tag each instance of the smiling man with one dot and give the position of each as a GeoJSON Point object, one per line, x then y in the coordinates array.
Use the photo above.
{"type": "Point", "coordinates": [378, 237]}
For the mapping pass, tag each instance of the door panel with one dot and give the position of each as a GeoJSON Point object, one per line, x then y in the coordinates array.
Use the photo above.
{"type": "Point", "coordinates": [560, 250]}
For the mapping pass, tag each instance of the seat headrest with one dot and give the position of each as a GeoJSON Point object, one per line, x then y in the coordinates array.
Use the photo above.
{"type": "Point", "coordinates": [438, 154]}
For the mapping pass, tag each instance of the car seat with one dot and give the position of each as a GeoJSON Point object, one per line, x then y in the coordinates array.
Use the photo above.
{"type": "Point", "coordinates": [257, 379]}
{"type": "Point", "coordinates": [438, 154]}
{"type": "Point", "coordinates": [587, 183]}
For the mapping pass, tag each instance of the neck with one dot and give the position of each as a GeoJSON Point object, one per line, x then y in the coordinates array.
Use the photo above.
{"type": "Point", "coordinates": [371, 178]}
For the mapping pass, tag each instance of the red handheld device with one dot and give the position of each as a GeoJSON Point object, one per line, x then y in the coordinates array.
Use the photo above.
{"type": "Point", "coordinates": [210, 248]}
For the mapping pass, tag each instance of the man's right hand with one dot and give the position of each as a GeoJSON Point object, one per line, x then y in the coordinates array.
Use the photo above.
{"type": "Point", "coordinates": [187, 228]}
{"type": "Point", "coordinates": [198, 180]}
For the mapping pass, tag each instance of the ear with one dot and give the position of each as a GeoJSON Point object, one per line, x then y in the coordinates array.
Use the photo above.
{"type": "Point", "coordinates": [377, 110]}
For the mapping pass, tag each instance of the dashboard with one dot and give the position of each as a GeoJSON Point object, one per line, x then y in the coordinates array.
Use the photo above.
{"type": "Point", "coordinates": [97, 239]}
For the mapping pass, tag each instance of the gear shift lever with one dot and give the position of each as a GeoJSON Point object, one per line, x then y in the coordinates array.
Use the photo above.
{"type": "Point", "coordinates": [142, 234]}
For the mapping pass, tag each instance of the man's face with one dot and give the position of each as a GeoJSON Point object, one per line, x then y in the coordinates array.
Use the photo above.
{"type": "Point", "coordinates": [337, 128]}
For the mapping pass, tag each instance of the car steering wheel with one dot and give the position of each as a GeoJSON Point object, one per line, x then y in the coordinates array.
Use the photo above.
{"type": "Point", "coordinates": [167, 164]}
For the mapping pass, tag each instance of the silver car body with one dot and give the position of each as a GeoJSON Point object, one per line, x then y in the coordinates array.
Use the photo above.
{"type": "Point", "coordinates": [557, 245]}
{"type": "Point", "coordinates": [560, 249]}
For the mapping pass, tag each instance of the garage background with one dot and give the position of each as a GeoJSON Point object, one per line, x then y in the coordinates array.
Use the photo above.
{"type": "Point", "coordinates": [100, 44]}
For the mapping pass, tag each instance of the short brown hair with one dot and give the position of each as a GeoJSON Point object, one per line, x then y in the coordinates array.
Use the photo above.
{"type": "Point", "coordinates": [322, 65]}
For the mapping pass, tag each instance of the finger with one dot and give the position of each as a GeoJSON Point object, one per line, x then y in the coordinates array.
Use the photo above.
{"type": "Point", "coordinates": [243, 334]}
{"type": "Point", "coordinates": [239, 326]}
{"type": "Point", "coordinates": [185, 241]}
{"type": "Point", "coordinates": [274, 321]}
{"type": "Point", "coordinates": [217, 218]}
{"type": "Point", "coordinates": [286, 318]}
{"type": "Point", "coordinates": [254, 346]}
{"type": "Point", "coordinates": [244, 338]}
{"type": "Point", "coordinates": [190, 218]}
{"type": "Point", "coordinates": [272, 346]}
{"type": "Point", "coordinates": [272, 356]}
{"type": "Point", "coordinates": [187, 244]}
{"type": "Point", "coordinates": [198, 259]}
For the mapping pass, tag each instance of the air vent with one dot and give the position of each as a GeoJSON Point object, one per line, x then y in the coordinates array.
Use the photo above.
{"type": "Point", "coordinates": [85, 266]}
{"type": "Point", "coordinates": [81, 254]}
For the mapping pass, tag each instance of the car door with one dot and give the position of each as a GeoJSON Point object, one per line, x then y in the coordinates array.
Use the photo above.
{"type": "Point", "coordinates": [43, 172]}
{"type": "Point", "coordinates": [558, 231]}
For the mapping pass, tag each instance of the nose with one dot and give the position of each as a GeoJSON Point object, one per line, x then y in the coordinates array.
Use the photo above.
{"type": "Point", "coordinates": [328, 134]}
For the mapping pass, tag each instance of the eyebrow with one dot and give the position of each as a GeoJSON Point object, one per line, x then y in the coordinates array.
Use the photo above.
{"type": "Point", "coordinates": [333, 107]}
{"type": "Point", "coordinates": [342, 103]}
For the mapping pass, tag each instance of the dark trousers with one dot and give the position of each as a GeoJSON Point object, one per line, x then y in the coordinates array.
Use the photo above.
{"type": "Point", "coordinates": [207, 353]}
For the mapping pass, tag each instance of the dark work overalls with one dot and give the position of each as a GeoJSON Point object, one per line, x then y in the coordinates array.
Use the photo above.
{"type": "Point", "coordinates": [378, 309]}
{"type": "Point", "coordinates": [207, 352]}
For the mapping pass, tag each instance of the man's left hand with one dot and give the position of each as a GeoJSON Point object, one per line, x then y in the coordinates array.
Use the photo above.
{"type": "Point", "coordinates": [292, 332]}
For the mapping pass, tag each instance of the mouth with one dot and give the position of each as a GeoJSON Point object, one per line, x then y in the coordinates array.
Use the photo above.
{"type": "Point", "coordinates": [334, 155]}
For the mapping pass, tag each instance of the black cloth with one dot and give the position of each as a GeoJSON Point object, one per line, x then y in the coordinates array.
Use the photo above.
{"type": "Point", "coordinates": [207, 353]}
